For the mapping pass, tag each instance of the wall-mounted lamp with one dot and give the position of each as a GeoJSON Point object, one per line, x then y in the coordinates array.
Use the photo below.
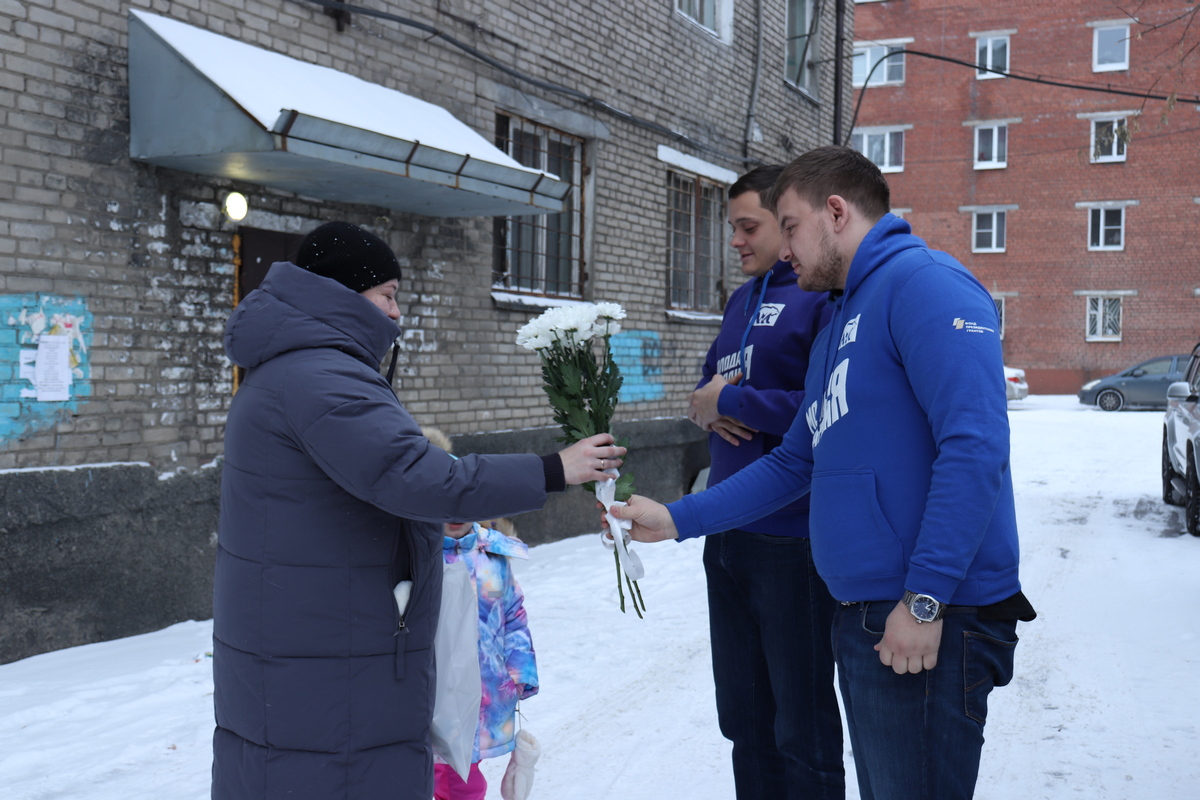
{"type": "Point", "coordinates": [236, 206]}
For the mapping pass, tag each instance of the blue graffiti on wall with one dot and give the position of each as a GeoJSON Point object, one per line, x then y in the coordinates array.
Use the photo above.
{"type": "Point", "coordinates": [639, 357]}
{"type": "Point", "coordinates": [24, 318]}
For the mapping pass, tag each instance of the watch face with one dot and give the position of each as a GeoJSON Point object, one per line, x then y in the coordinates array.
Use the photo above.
{"type": "Point", "coordinates": [924, 608]}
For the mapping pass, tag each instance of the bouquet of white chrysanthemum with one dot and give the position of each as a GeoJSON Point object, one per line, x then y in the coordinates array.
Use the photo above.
{"type": "Point", "coordinates": [582, 388]}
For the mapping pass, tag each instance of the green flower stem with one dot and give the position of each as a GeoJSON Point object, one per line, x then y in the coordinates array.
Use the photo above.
{"type": "Point", "coordinates": [620, 591]}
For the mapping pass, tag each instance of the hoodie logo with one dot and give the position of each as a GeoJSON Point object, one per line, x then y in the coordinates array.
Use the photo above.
{"type": "Point", "coordinates": [728, 366]}
{"type": "Point", "coordinates": [768, 313]}
{"type": "Point", "coordinates": [850, 332]}
{"type": "Point", "coordinates": [832, 406]}
{"type": "Point", "coordinates": [961, 324]}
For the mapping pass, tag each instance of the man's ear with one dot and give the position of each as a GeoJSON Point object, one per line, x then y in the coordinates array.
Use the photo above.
{"type": "Point", "coordinates": [839, 212]}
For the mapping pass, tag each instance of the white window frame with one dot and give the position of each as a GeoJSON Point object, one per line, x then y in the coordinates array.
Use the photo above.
{"type": "Point", "coordinates": [883, 47]}
{"type": "Point", "coordinates": [988, 41]}
{"type": "Point", "coordinates": [998, 217]}
{"type": "Point", "coordinates": [808, 76]}
{"type": "Point", "coordinates": [999, 134]}
{"type": "Point", "coordinates": [1000, 301]}
{"type": "Point", "coordinates": [1122, 28]}
{"type": "Point", "coordinates": [1117, 143]}
{"type": "Point", "coordinates": [887, 132]}
{"type": "Point", "coordinates": [998, 235]}
{"type": "Point", "coordinates": [1099, 222]}
{"type": "Point", "coordinates": [1098, 307]}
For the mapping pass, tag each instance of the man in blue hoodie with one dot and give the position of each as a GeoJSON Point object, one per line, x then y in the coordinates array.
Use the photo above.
{"type": "Point", "coordinates": [903, 443]}
{"type": "Point", "coordinates": [769, 612]}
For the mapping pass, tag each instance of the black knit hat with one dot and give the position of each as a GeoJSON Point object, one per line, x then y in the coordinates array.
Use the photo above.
{"type": "Point", "coordinates": [349, 255]}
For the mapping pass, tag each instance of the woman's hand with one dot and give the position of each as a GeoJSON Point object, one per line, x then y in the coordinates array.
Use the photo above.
{"type": "Point", "coordinates": [587, 459]}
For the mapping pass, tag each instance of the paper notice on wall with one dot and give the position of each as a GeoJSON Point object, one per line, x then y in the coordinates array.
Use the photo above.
{"type": "Point", "coordinates": [52, 368]}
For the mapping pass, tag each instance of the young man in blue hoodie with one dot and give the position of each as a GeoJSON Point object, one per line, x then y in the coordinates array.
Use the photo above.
{"type": "Point", "coordinates": [903, 444]}
{"type": "Point", "coordinates": [769, 612]}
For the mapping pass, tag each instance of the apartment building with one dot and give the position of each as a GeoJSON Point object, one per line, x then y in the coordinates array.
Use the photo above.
{"type": "Point", "coordinates": [1054, 149]}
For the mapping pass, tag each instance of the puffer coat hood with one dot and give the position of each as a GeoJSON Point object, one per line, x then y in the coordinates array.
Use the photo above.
{"type": "Point", "coordinates": [330, 495]}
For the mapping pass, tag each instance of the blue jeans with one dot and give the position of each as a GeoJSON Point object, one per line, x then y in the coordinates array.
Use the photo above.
{"type": "Point", "coordinates": [918, 737]}
{"type": "Point", "coordinates": [770, 618]}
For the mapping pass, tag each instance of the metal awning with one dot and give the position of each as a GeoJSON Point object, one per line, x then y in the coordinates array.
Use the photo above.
{"type": "Point", "coordinates": [205, 103]}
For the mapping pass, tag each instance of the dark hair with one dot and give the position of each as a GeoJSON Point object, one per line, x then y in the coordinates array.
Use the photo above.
{"type": "Point", "coordinates": [830, 170]}
{"type": "Point", "coordinates": [759, 179]}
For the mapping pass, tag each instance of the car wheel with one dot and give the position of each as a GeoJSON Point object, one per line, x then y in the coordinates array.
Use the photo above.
{"type": "Point", "coordinates": [1171, 496]}
{"type": "Point", "coordinates": [1191, 512]}
{"type": "Point", "coordinates": [1110, 400]}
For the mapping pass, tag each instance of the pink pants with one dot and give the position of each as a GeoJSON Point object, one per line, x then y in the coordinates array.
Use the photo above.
{"type": "Point", "coordinates": [448, 786]}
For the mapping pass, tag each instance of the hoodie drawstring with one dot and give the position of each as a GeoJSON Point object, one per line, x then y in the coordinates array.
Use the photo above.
{"type": "Point", "coordinates": [750, 323]}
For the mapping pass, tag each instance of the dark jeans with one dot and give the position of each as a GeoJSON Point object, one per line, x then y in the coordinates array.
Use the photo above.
{"type": "Point", "coordinates": [918, 737]}
{"type": "Point", "coordinates": [770, 617]}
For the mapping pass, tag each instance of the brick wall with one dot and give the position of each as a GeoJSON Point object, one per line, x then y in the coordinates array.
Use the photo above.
{"type": "Point", "coordinates": [149, 254]}
{"type": "Point", "coordinates": [1047, 262]}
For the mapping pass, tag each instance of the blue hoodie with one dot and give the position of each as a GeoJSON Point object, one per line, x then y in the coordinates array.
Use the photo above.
{"type": "Point", "coordinates": [903, 441]}
{"type": "Point", "coordinates": [768, 329]}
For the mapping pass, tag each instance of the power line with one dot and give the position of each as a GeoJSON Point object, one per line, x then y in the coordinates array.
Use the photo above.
{"type": "Point", "coordinates": [1105, 89]}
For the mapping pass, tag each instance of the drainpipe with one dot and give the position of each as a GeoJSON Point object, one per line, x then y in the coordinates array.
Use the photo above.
{"type": "Point", "coordinates": [838, 72]}
{"type": "Point", "coordinates": [758, 50]}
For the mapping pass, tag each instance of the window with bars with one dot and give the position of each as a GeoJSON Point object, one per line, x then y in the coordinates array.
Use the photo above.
{"type": "Point", "coordinates": [989, 232]}
{"type": "Point", "coordinates": [1106, 229]}
{"type": "Point", "coordinates": [991, 53]}
{"type": "Point", "coordinates": [999, 301]}
{"type": "Point", "coordinates": [541, 253]}
{"type": "Point", "coordinates": [991, 146]}
{"type": "Point", "coordinates": [696, 213]}
{"type": "Point", "coordinates": [801, 45]}
{"type": "Point", "coordinates": [890, 72]}
{"type": "Point", "coordinates": [885, 148]}
{"type": "Point", "coordinates": [1103, 319]}
{"type": "Point", "coordinates": [1109, 137]}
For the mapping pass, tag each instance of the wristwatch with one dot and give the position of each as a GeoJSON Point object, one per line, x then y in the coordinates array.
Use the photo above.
{"type": "Point", "coordinates": [923, 607]}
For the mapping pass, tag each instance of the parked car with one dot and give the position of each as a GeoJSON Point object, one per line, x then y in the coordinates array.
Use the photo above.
{"type": "Point", "coordinates": [1143, 385]}
{"type": "Point", "coordinates": [1014, 383]}
{"type": "Point", "coordinates": [1180, 444]}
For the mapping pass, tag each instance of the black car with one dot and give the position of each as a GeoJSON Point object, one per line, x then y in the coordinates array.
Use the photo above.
{"type": "Point", "coordinates": [1143, 385]}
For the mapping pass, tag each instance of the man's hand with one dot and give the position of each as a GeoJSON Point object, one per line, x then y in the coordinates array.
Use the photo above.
{"type": "Point", "coordinates": [651, 520]}
{"type": "Point", "coordinates": [587, 459]}
{"type": "Point", "coordinates": [732, 431]}
{"type": "Point", "coordinates": [908, 645]}
{"type": "Point", "coordinates": [702, 403]}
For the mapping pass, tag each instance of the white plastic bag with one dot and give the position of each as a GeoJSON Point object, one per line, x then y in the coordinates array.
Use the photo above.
{"type": "Point", "coordinates": [456, 654]}
{"type": "Point", "coordinates": [518, 777]}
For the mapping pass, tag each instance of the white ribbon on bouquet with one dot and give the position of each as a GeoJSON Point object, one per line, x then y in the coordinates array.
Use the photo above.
{"type": "Point", "coordinates": [617, 536]}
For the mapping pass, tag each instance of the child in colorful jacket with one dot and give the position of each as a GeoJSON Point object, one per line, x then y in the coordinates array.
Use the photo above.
{"type": "Point", "coordinates": [507, 664]}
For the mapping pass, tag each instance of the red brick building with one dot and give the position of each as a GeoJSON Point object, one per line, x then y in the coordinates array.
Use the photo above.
{"type": "Point", "coordinates": [1007, 143]}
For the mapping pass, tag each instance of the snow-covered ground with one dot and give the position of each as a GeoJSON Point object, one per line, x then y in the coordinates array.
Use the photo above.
{"type": "Point", "coordinates": [1105, 704]}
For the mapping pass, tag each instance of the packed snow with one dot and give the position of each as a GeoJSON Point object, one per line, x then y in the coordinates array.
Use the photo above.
{"type": "Point", "coordinates": [1105, 703]}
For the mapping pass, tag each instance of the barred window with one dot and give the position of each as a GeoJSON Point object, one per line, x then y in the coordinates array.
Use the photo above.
{"type": "Point", "coordinates": [696, 210]}
{"type": "Point", "coordinates": [1103, 319]}
{"type": "Point", "coordinates": [541, 253]}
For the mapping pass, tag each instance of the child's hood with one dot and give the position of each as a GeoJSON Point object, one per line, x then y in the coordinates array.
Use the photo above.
{"type": "Point", "coordinates": [488, 540]}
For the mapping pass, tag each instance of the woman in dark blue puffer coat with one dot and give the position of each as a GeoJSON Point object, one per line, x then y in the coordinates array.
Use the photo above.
{"type": "Point", "coordinates": [330, 496]}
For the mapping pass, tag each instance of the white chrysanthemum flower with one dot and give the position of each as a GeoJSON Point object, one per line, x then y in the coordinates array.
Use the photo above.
{"type": "Point", "coordinates": [535, 334]}
{"type": "Point", "coordinates": [609, 311]}
{"type": "Point", "coordinates": [607, 327]}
